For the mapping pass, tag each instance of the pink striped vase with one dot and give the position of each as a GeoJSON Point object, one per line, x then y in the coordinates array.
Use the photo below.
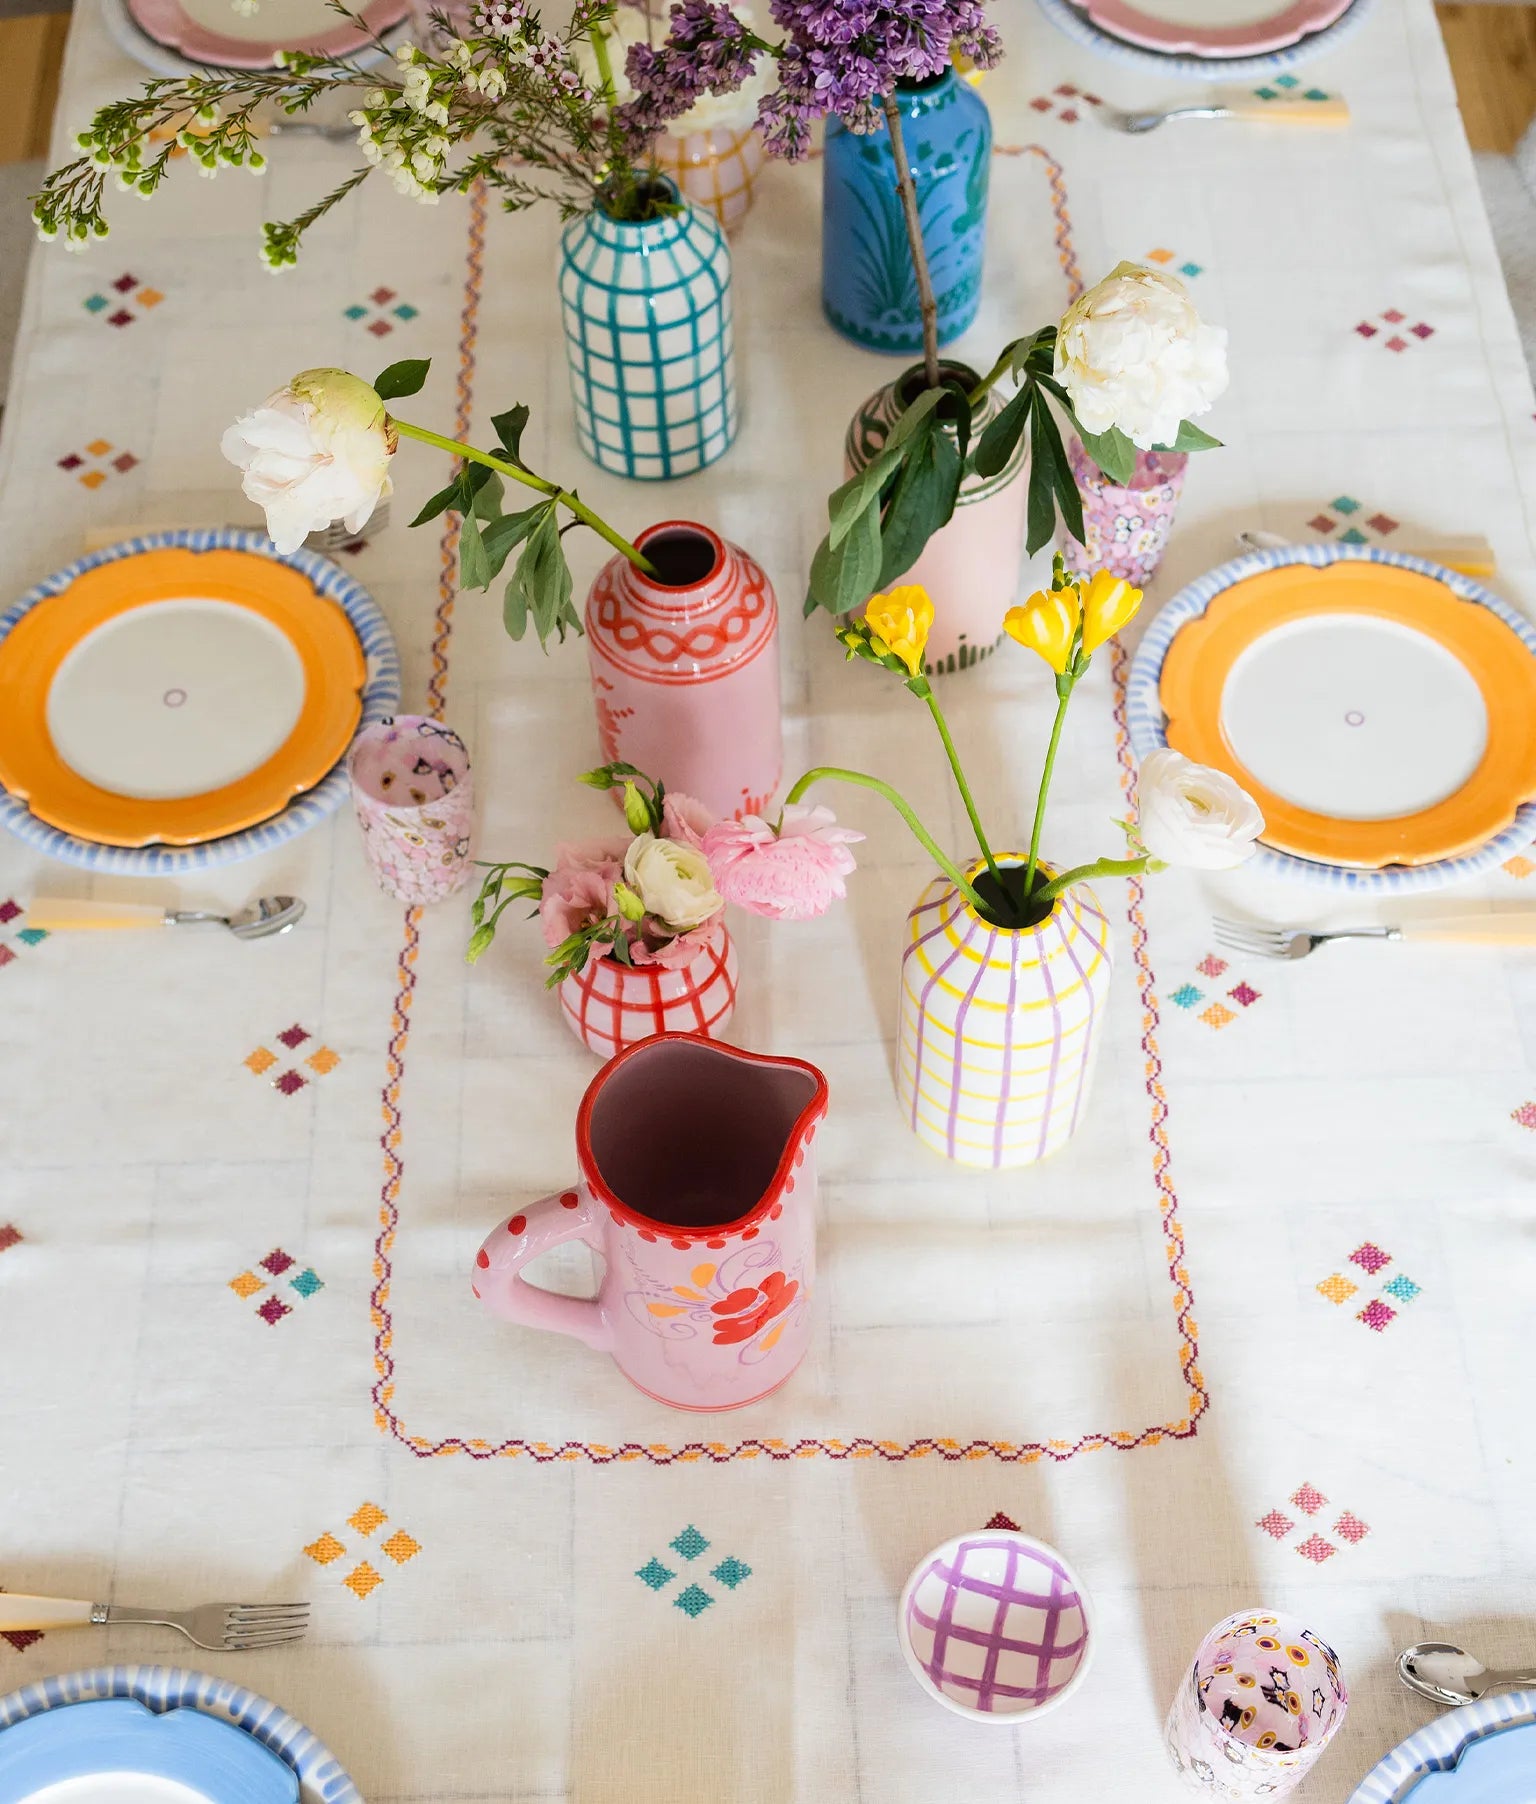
{"type": "Point", "coordinates": [609, 1006]}
{"type": "Point", "coordinates": [1000, 1026]}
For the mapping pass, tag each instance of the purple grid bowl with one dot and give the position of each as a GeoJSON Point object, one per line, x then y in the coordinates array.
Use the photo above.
{"type": "Point", "coordinates": [996, 1625]}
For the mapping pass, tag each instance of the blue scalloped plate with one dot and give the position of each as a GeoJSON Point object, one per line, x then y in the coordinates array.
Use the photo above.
{"type": "Point", "coordinates": [1480, 1754]}
{"type": "Point", "coordinates": [1074, 23]}
{"type": "Point", "coordinates": [381, 694]}
{"type": "Point", "coordinates": [159, 1735]}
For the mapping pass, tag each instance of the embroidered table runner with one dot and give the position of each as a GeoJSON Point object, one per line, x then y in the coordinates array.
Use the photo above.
{"type": "Point", "coordinates": [1255, 1336]}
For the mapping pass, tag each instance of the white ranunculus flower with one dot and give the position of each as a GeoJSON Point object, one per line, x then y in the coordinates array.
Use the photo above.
{"type": "Point", "coordinates": [1193, 815]}
{"type": "Point", "coordinates": [316, 451]}
{"type": "Point", "coordinates": [672, 880]}
{"type": "Point", "coordinates": [1133, 352]}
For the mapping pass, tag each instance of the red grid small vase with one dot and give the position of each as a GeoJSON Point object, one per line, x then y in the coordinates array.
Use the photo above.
{"type": "Point", "coordinates": [609, 1006]}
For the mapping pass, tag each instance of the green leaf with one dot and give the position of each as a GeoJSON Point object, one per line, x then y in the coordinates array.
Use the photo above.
{"type": "Point", "coordinates": [1112, 451]}
{"type": "Point", "coordinates": [862, 491]}
{"type": "Point", "coordinates": [1042, 485]}
{"type": "Point", "coordinates": [543, 578]}
{"type": "Point", "coordinates": [843, 577]}
{"type": "Point", "coordinates": [1191, 438]}
{"type": "Point", "coordinates": [444, 498]}
{"type": "Point", "coordinates": [997, 443]}
{"type": "Point", "coordinates": [474, 564]}
{"type": "Point", "coordinates": [405, 378]}
{"type": "Point", "coordinates": [923, 501]}
{"type": "Point", "coordinates": [514, 609]}
{"type": "Point", "coordinates": [509, 428]}
{"type": "Point", "coordinates": [486, 501]}
{"type": "Point", "coordinates": [505, 533]}
{"type": "Point", "coordinates": [1061, 473]}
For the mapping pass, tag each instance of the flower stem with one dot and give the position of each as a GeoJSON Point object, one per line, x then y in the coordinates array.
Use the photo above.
{"type": "Point", "coordinates": [924, 838]}
{"type": "Point", "coordinates": [965, 788]}
{"type": "Point", "coordinates": [600, 55]}
{"type": "Point", "coordinates": [905, 187]}
{"type": "Point", "coordinates": [529, 480]}
{"type": "Point", "coordinates": [1045, 786]}
{"type": "Point", "coordinates": [1103, 867]}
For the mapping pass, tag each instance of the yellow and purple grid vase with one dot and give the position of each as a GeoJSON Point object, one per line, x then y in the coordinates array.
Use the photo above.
{"type": "Point", "coordinates": [999, 1027]}
{"type": "Point", "coordinates": [715, 169]}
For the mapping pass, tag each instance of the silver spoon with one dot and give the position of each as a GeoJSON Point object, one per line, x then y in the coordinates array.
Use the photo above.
{"type": "Point", "coordinates": [272, 914]}
{"type": "Point", "coordinates": [1446, 1674]}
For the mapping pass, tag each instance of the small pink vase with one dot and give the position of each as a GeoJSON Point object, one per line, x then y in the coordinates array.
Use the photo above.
{"type": "Point", "coordinates": [611, 1007]}
{"type": "Point", "coordinates": [685, 668]}
{"type": "Point", "coordinates": [697, 1187]}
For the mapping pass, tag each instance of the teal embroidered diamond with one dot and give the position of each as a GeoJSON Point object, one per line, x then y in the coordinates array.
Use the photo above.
{"type": "Point", "coordinates": [1286, 81]}
{"type": "Point", "coordinates": [308, 1282]}
{"type": "Point", "coordinates": [1345, 504]}
{"type": "Point", "coordinates": [1314, 94]}
{"type": "Point", "coordinates": [1266, 93]}
{"type": "Point", "coordinates": [353, 312]}
{"type": "Point", "coordinates": [654, 1574]}
{"type": "Point", "coordinates": [1190, 269]}
{"type": "Point", "coordinates": [1402, 1287]}
{"type": "Point", "coordinates": [96, 302]}
{"type": "Point", "coordinates": [32, 935]}
{"type": "Point", "coordinates": [730, 1572]}
{"type": "Point", "coordinates": [690, 1543]}
{"type": "Point", "coordinates": [1353, 536]}
{"type": "Point", "coordinates": [693, 1600]}
{"type": "Point", "coordinates": [405, 311]}
{"type": "Point", "coordinates": [1186, 995]}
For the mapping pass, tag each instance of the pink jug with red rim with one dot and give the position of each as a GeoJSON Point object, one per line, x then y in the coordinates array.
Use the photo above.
{"type": "Point", "coordinates": [697, 1186]}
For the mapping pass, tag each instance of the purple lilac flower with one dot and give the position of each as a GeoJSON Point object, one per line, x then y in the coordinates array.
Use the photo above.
{"type": "Point", "coordinates": [707, 51]}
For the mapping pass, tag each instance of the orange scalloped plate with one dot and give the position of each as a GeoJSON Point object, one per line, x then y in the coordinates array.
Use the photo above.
{"type": "Point", "coordinates": [1374, 716]}
{"type": "Point", "coordinates": [176, 696]}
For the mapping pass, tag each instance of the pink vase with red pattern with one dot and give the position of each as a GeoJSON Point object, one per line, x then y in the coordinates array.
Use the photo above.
{"type": "Point", "coordinates": [697, 1187]}
{"type": "Point", "coordinates": [610, 1007]}
{"type": "Point", "coordinates": [685, 668]}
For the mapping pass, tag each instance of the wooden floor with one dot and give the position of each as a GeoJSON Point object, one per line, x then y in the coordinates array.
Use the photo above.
{"type": "Point", "coordinates": [1492, 49]}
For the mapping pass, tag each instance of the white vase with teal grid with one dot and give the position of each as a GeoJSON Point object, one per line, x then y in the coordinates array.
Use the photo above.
{"type": "Point", "coordinates": [648, 337]}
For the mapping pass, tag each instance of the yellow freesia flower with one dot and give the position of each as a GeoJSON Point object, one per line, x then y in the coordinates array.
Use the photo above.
{"type": "Point", "coordinates": [1108, 603]}
{"type": "Point", "coordinates": [902, 620]}
{"type": "Point", "coordinates": [1047, 623]}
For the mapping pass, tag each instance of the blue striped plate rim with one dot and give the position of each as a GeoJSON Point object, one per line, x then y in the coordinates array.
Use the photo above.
{"type": "Point", "coordinates": [381, 697]}
{"type": "Point", "coordinates": [1439, 1745]}
{"type": "Point", "coordinates": [1144, 711]}
{"type": "Point", "coordinates": [321, 1778]}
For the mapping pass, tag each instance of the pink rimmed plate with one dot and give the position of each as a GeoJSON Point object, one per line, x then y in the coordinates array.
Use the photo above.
{"type": "Point", "coordinates": [213, 32]}
{"type": "Point", "coordinates": [1213, 28]}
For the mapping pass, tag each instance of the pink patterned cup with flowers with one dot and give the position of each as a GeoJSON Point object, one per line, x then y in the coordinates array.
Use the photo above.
{"type": "Point", "coordinates": [697, 1186]}
{"type": "Point", "coordinates": [1125, 530]}
{"type": "Point", "coordinates": [415, 804]}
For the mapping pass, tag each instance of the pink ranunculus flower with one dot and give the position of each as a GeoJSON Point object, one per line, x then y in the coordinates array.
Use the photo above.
{"type": "Point", "coordinates": [579, 890]}
{"type": "Point", "coordinates": [673, 954]}
{"type": "Point", "coordinates": [685, 820]}
{"type": "Point", "coordinates": [793, 874]}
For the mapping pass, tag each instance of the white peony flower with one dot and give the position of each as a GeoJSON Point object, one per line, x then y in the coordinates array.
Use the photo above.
{"type": "Point", "coordinates": [672, 880]}
{"type": "Point", "coordinates": [1133, 352]}
{"type": "Point", "coordinates": [316, 451]}
{"type": "Point", "coordinates": [1193, 815]}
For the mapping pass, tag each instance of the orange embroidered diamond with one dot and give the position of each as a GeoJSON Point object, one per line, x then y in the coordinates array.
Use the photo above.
{"type": "Point", "coordinates": [325, 1550]}
{"type": "Point", "coordinates": [260, 1060]}
{"type": "Point", "coordinates": [362, 1579]}
{"type": "Point", "coordinates": [366, 1518]}
{"type": "Point", "coordinates": [1217, 1015]}
{"type": "Point", "coordinates": [1160, 256]}
{"type": "Point", "coordinates": [401, 1547]}
{"type": "Point", "coordinates": [246, 1285]}
{"type": "Point", "coordinates": [1519, 865]}
{"type": "Point", "coordinates": [98, 447]}
{"type": "Point", "coordinates": [93, 479]}
{"type": "Point", "coordinates": [149, 297]}
{"type": "Point", "coordinates": [323, 1061]}
{"type": "Point", "coordinates": [1337, 1288]}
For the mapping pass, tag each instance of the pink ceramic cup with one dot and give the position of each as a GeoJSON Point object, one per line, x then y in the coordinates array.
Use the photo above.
{"type": "Point", "coordinates": [697, 1186]}
{"type": "Point", "coordinates": [415, 804]}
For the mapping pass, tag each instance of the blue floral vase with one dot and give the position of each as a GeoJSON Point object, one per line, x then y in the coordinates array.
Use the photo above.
{"type": "Point", "coordinates": [868, 286]}
{"type": "Point", "coordinates": [646, 307]}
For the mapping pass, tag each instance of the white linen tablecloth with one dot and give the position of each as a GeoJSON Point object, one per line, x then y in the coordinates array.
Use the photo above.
{"type": "Point", "coordinates": [1257, 1336]}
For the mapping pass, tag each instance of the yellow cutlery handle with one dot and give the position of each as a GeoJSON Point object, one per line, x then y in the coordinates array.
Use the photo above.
{"type": "Point", "coordinates": [1291, 111]}
{"type": "Point", "coordinates": [1471, 557]}
{"type": "Point", "coordinates": [41, 1612]}
{"type": "Point", "coordinates": [67, 913]}
{"type": "Point", "coordinates": [1512, 929]}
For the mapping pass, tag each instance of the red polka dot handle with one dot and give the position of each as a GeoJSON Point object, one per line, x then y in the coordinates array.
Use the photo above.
{"type": "Point", "coordinates": [498, 1282]}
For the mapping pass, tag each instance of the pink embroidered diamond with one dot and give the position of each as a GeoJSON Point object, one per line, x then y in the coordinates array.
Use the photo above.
{"type": "Point", "coordinates": [277, 1262]}
{"type": "Point", "coordinates": [21, 1639]}
{"type": "Point", "coordinates": [293, 1036]}
{"type": "Point", "coordinates": [1382, 523]}
{"type": "Point", "coordinates": [1397, 344]}
{"type": "Point", "coordinates": [1041, 104]}
{"type": "Point", "coordinates": [10, 1235]}
{"type": "Point", "coordinates": [1321, 523]}
{"type": "Point", "coordinates": [1069, 115]}
{"type": "Point", "coordinates": [289, 1083]}
{"type": "Point", "coordinates": [1244, 993]}
{"type": "Point", "coordinates": [1393, 317]}
{"type": "Point", "coordinates": [1211, 965]}
{"type": "Point", "coordinates": [1370, 1257]}
{"type": "Point", "coordinates": [1366, 329]}
{"type": "Point", "coordinates": [1376, 1315]}
{"type": "Point", "coordinates": [381, 297]}
{"type": "Point", "coordinates": [9, 909]}
{"type": "Point", "coordinates": [124, 282]}
{"type": "Point", "coordinates": [999, 1520]}
{"type": "Point", "coordinates": [1316, 1549]}
{"type": "Point", "coordinates": [1422, 331]}
{"type": "Point", "coordinates": [6, 955]}
{"type": "Point", "coordinates": [1276, 1523]}
{"type": "Point", "coordinates": [1309, 1500]}
{"type": "Point", "coordinates": [1350, 1528]}
{"type": "Point", "coordinates": [1525, 1115]}
{"type": "Point", "coordinates": [273, 1311]}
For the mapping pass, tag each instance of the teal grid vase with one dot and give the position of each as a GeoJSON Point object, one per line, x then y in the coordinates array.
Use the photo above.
{"type": "Point", "coordinates": [647, 313]}
{"type": "Point", "coordinates": [868, 285]}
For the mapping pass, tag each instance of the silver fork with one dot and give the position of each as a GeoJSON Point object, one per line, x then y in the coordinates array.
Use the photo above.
{"type": "Point", "coordinates": [1329, 110]}
{"type": "Point", "coordinates": [227, 1628]}
{"type": "Point", "coordinates": [1494, 927]}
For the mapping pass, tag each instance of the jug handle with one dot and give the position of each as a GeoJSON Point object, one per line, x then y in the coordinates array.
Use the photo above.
{"type": "Point", "coordinates": [497, 1278]}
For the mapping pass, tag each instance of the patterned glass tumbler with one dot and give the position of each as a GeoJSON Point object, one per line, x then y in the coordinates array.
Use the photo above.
{"type": "Point", "coordinates": [414, 798]}
{"type": "Point", "coordinates": [646, 306]}
{"type": "Point", "coordinates": [715, 168]}
{"type": "Point", "coordinates": [1126, 530]}
{"type": "Point", "coordinates": [1261, 1700]}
